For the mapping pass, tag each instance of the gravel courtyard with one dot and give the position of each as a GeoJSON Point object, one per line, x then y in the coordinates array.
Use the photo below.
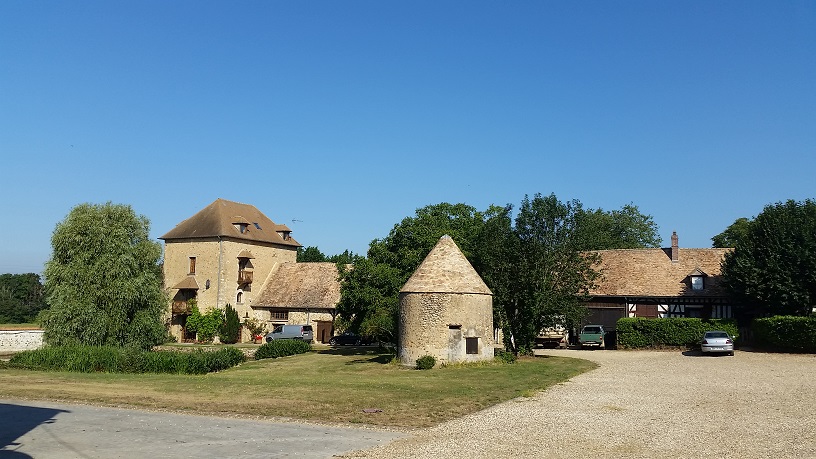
{"type": "Point", "coordinates": [643, 404]}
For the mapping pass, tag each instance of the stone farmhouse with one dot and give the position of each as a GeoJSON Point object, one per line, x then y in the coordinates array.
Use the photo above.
{"type": "Point", "coordinates": [231, 253]}
{"type": "Point", "coordinates": [666, 282]}
{"type": "Point", "coordinates": [446, 310]}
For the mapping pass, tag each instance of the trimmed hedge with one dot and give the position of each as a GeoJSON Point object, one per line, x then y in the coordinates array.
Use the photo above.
{"type": "Point", "coordinates": [282, 348]}
{"type": "Point", "coordinates": [636, 333]}
{"type": "Point", "coordinates": [785, 333]}
{"type": "Point", "coordinates": [108, 359]}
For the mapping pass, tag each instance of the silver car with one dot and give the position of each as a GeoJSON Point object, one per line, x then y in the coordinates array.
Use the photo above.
{"type": "Point", "coordinates": [717, 341]}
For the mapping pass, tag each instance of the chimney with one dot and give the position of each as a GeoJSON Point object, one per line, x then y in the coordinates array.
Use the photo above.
{"type": "Point", "coordinates": [675, 251]}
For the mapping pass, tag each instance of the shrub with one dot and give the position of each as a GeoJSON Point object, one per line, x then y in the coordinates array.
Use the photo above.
{"type": "Point", "coordinates": [505, 357]}
{"type": "Point", "coordinates": [228, 332]}
{"type": "Point", "coordinates": [282, 348]}
{"type": "Point", "coordinates": [785, 333]}
{"type": "Point", "coordinates": [426, 362]}
{"type": "Point", "coordinates": [642, 333]}
{"type": "Point", "coordinates": [256, 327]}
{"type": "Point", "coordinates": [205, 325]}
{"type": "Point", "coordinates": [93, 359]}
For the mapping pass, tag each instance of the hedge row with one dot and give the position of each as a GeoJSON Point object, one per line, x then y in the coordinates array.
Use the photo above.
{"type": "Point", "coordinates": [643, 333]}
{"type": "Point", "coordinates": [282, 348]}
{"type": "Point", "coordinates": [107, 359]}
{"type": "Point", "coordinates": [785, 333]}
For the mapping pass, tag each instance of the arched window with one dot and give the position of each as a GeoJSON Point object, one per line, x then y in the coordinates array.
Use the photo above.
{"type": "Point", "coordinates": [240, 297]}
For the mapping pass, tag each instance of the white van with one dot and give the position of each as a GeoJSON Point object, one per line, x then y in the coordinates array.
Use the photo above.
{"type": "Point", "coordinates": [302, 332]}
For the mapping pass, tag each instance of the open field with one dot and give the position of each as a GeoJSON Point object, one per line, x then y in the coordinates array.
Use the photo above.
{"type": "Point", "coordinates": [326, 385]}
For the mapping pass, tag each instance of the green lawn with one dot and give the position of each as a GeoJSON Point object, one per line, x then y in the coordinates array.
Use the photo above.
{"type": "Point", "coordinates": [333, 385]}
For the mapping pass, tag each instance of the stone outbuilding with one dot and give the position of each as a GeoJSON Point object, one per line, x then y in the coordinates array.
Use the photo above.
{"type": "Point", "coordinates": [446, 310]}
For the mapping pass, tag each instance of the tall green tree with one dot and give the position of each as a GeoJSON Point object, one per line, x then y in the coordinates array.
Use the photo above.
{"type": "Point", "coordinates": [626, 228]}
{"type": "Point", "coordinates": [22, 297]}
{"type": "Point", "coordinates": [103, 280]}
{"type": "Point", "coordinates": [732, 235]}
{"type": "Point", "coordinates": [313, 254]}
{"type": "Point", "coordinates": [346, 258]}
{"type": "Point", "coordinates": [310, 254]}
{"type": "Point", "coordinates": [537, 271]}
{"type": "Point", "coordinates": [369, 299]}
{"type": "Point", "coordinates": [772, 269]}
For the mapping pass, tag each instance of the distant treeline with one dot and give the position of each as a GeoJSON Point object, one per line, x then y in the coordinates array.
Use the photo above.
{"type": "Point", "coordinates": [22, 297]}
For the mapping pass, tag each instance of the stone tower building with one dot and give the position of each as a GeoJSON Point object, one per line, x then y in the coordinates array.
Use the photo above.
{"type": "Point", "coordinates": [446, 310]}
{"type": "Point", "coordinates": [221, 255]}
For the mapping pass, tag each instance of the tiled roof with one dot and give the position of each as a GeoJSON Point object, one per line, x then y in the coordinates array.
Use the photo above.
{"type": "Point", "coordinates": [300, 285]}
{"type": "Point", "coordinates": [220, 218]}
{"type": "Point", "coordinates": [651, 272]}
{"type": "Point", "coordinates": [445, 270]}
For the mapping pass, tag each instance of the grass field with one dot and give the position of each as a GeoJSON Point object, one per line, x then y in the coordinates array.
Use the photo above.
{"type": "Point", "coordinates": [19, 326]}
{"type": "Point", "coordinates": [326, 385]}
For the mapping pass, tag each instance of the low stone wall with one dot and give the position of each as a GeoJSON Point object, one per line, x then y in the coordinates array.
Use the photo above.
{"type": "Point", "coordinates": [20, 340]}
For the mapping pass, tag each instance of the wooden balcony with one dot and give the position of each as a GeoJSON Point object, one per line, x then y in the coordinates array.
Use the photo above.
{"type": "Point", "coordinates": [181, 307]}
{"type": "Point", "coordinates": [244, 277]}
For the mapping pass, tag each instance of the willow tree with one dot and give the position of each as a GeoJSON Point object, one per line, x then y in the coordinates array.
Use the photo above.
{"type": "Point", "coordinates": [104, 281]}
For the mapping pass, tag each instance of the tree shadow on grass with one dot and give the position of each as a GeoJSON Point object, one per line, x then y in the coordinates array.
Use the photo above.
{"type": "Point", "coordinates": [374, 354]}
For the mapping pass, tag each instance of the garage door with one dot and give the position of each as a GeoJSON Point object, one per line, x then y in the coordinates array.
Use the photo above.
{"type": "Point", "coordinates": [608, 317]}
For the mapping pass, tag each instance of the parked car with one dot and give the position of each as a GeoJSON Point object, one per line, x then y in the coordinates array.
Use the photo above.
{"type": "Point", "coordinates": [303, 332]}
{"type": "Point", "coordinates": [717, 341]}
{"type": "Point", "coordinates": [349, 338]}
{"type": "Point", "coordinates": [592, 336]}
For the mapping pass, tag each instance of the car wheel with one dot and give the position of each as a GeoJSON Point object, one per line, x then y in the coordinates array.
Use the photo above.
{"type": "Point", "coordinates": [358, 342]}
{"type": "Point", "coordinates": [333, 342]}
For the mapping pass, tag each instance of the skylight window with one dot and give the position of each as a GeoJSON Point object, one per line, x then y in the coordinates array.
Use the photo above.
{"type": "Point", "coordinates": [257, 225]}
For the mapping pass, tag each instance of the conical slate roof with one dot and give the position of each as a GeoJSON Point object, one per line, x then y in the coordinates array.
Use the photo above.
{"type": "Point", "coordinates": [445, 270]}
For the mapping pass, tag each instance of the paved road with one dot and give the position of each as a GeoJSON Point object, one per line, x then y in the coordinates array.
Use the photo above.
{"type": "Point", "coordinates": [49, 430]}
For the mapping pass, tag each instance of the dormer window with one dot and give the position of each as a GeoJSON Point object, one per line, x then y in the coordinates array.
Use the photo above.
{"type": "Point", "coordinates": [697, 280]}
{"type": "Point", "coordinates": [240, 223]}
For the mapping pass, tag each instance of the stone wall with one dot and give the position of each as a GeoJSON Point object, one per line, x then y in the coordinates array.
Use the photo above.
{"type": "Point", "coordinates": [20, 340]}
{"type": "Point", "coordinates": [439, 324]}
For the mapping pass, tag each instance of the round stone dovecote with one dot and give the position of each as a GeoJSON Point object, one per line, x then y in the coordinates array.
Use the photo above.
{"type": "Point", "coordinates": [446, 310]}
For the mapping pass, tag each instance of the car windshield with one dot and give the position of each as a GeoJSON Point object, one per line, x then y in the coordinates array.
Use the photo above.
{"type": "Point", "coordinates": [717, 335]}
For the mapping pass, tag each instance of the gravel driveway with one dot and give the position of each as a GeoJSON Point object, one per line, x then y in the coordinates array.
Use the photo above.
{"type": "Point", "coordinates": [642, 404]}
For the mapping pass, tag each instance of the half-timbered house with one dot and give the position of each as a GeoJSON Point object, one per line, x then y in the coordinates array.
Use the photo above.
{"type": "Point", "coordinates": [659, 283]}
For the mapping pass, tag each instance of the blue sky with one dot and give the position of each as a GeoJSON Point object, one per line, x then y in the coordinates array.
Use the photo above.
{"type": "Point", "coordinates": [340, 118]}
